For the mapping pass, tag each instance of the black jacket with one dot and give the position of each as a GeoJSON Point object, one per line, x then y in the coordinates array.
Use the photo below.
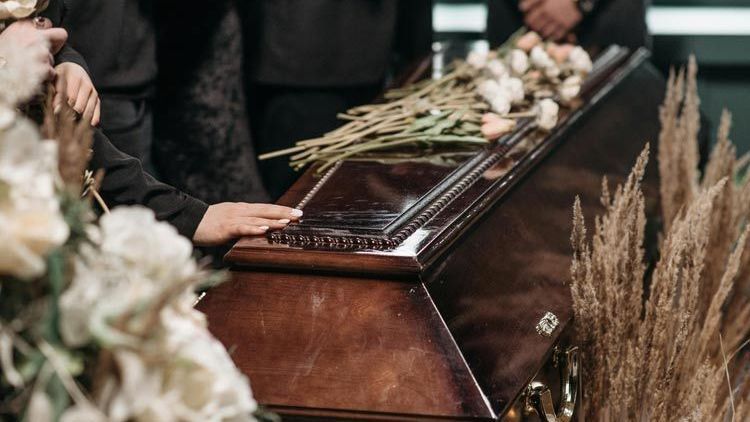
{"type": "Point", "coordinates": [125, 182]}
{"type": "Point", "coordinates": [334, 42]}
{"type": "Point", "coordinates": [621, 22]}
{"type": "Point", "coordinates": [117, 38]}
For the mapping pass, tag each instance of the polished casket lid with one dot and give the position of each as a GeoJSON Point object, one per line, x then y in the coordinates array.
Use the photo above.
{"type": "Point", "coordinates": [393, 216]}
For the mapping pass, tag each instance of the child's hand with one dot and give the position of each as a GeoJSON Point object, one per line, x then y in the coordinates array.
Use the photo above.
{"type": "Point", "coordinates": [74, 86]}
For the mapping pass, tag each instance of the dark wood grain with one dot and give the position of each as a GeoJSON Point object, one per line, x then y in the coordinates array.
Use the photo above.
{"type": "Point", "coordinates": [344, 345]}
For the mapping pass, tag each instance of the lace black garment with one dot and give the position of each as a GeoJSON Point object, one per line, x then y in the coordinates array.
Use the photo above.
{"type": "Point", "coordinates": [202, 141]}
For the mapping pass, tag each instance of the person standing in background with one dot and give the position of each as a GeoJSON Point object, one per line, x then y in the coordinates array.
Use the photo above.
{"type": "Point", "coordinates": [308, 60]}
{"type": "Point", "coordinates": [118, 42]}
{"type": "Point", "coordinates": [203, 144]}
{"type": "Point", "coordinates": [595, 24]}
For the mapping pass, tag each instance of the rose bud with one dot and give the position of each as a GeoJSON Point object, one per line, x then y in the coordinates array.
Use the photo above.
{"type": "Point", "coordinates": [490, 117]}
{"type": "Point", "coordinates": [528, 41]}
{"type": "Point", "coordinates": [559, 52]}
{"type": "Point", "coordinates": [497, 128]}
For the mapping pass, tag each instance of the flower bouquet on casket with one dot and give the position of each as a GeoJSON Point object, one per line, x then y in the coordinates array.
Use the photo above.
{"type": "Point", "coordinates": [476, 102]}
{"type": "Point", "coordinates": [96, 315]}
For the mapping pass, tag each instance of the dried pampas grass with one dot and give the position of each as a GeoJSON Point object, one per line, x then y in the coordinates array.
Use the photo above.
{"type": "Point", "coordinates": [678, 355]}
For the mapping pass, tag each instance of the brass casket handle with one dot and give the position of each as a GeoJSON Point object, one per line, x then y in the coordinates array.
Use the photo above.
{"type": "Point", "coordinates": [539, 396]}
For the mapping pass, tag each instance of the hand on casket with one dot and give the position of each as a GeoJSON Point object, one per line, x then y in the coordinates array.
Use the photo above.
{"type": "Point", "coordinates": [226, 221]}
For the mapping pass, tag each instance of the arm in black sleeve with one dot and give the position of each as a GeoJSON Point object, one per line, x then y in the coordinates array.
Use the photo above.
{"type": "Point", "coordinates": [126, 183]}
{"type": "Point", "coordinates": [55, 12]}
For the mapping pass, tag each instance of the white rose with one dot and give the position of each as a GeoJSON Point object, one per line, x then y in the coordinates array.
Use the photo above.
{"type": "Point", "coordinates": [552, 71]}
{"type": "Point", "coordinates": [546, 114]}
{"type": "Point", "coordinates": [183, 374]}
{"type": "Point", "coordinates": [540, 59]}
{"type": "Point", "coordinates": [500, 104]}
{"type": "Point", "coordinates": [19, 9]}
{"type": "Point", "coordinates": [580, 61]}
{"type": "Point", "coordinates": [570, 88]}
{"type": "Point", "coordinates": [514, 89]}
{"type": "Point", "coordinates": [135, 260]}
{"type": "Point", "coordinates": [519, 61]}
{"type": "Point", "coordinates": [489, 89]}
{"type": "Point", "coordinates": [31, 224]}
{"type": "Point", "coordinates": [497, 68]}
{"type": "Point", "coordinates": [477, 59]}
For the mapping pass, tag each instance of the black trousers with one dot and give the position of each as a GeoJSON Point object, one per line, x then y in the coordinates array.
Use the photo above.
{"type": "Point", "coordinates": [129, 124]}
{"type": "Point", "coordinates": [283, 115]}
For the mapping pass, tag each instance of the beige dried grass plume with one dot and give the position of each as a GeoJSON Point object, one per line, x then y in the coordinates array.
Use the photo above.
{"type": "Point", "coordinates": [677, 356]}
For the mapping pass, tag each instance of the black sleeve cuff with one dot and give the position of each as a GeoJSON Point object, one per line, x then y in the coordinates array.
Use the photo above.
{"type": "Point", "coordinates": [69, 55]}
{"type": "Point", "coordinates": [187, 221]}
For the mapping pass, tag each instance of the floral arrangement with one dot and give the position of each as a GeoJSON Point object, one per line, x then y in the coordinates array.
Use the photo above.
{"type": "Point", "coordinates": [680, 355]}
{"type": "Point", "coordinates": [96, 315]}
{"type": "Point", "coordinates": [19, 9]}
{"type": "Point", "coordinates": [476, 102]}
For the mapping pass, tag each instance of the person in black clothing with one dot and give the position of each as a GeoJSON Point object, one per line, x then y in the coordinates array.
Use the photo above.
{"type": "Point", "coordinates": [308, 60]}
{"type": "Point", "coordinates": [595, 24]}
{"type": "Point", "coordinates": [117, 39]}
{"type": "Point", "coordinates": [203, 142]}
{"type": "Point", "coordinates": [125, 182]}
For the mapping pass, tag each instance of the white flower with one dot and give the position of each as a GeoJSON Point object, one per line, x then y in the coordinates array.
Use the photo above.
{"type": "Point", "coordinates": [136, 260]}
{"type": "Point", "coordinates": [31, 224]}
{"type": "Point", "coordinates": [580, 61]}
{"type": "Point", "coordinates": [552, 71]}
{"type": "Point", "coordinates": [497, 68]}
{"type": "Point", "coordinates": [500, 104]}
{"type": "Point", "coordinates": [546, 114]}
{"type": "Point", "coordinates": [185, 374]}
{"type": "Point", "coordinates": [513, 87]}
{"type": "Point", "coordinates": [477, 59]}
{"type": "Point", "coordinates": [540, 59]}
{"type": "Point", "coordinates": [19, 9]}
{"type": "Point", "coordinates": [21, 74]}
{"type": "Point", "coordinates": [489, 89]}
{"type": "Point", "coordinates": [570, 88]}
{"type": "Point", "coordinates": [519, 61]}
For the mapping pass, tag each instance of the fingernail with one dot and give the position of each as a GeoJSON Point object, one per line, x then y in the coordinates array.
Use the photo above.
{"type": "Point", "coordinates": [57, 109]}
{"type": "Point", "coordinates": [263, 228]}
{"type": "Point", "coordinates": [285, 221]}
{"type": "Point", "coordinates": [297, 213]}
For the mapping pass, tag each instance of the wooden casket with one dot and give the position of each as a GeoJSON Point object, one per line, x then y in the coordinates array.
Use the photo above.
{"type": "Point", "coordinates": [435, 289]}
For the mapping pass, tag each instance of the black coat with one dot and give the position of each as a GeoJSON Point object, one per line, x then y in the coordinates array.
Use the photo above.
{"type": "Point", "coordinates": [125, 182]}
{"type": "Point", "coordinates": [117, 39]}
{"type": "Point", "coordinates": [333, 42]}
{"type": "Point", "coordinates": [621, 22]}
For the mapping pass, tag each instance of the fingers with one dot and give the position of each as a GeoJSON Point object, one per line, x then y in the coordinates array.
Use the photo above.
{"type": "Point", "coordinates": [247, 230]}
{"type": "Point", "coordinates": [61, 87]}
{"type": "Point", "coordinates": [96, 119]}
{"type": "Point", "coordinates": [526, 5]}
{"type": "Point", "coordinates": [537, 20]}
{"type": "Point", "coordinates": [88, 112]}
{"type": "Point", "coordinates": [81, 100]}
{"type": "Point", "coordinates": [56, 38]}
{"type": "Point", "coordinates": [271, 211]}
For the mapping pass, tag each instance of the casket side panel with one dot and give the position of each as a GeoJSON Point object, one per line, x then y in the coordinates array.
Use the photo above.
{"type": "Point", "coordinates": [332, 344]}
{"type": "Point", "coordinates": [512, 265]}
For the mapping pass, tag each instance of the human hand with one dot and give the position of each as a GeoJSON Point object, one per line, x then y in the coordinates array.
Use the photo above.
{"type": "Point", "coordinates": [74, 85]}
{"type": "Point", "coordinates": [37, 36]}
{"type": "Point", "coordinates": [553, 19]}
{"type": "Point", "coordinates": [226, 221]}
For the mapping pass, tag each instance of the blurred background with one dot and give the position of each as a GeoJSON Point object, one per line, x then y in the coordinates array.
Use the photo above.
{"type": "Point", "coordinates": [716, 31]}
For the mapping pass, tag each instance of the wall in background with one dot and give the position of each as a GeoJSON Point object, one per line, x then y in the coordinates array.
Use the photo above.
{"type": "Point", "coordinates": [717, 31]}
